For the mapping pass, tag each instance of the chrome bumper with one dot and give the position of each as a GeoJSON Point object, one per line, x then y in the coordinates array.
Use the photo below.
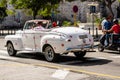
{"type": "Point", "coordinates": [80, 48]}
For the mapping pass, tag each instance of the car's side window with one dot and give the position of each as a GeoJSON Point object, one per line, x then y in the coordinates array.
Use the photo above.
{"type": "Point", "coordinates": [49, 25]}
{"type": "Point", "coordinates": [29, 25]}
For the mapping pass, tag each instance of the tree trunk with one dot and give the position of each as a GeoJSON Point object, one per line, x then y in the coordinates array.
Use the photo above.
{"type": "Point", "coordinates": [35, 14]}
{"type": "Point", "coordinates": [110, 9]}
{"type": "Point", "coordinates": [118, 11]}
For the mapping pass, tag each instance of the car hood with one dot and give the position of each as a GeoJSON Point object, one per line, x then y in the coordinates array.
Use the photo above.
{"type": "Point", "coordinates": [70, 30]}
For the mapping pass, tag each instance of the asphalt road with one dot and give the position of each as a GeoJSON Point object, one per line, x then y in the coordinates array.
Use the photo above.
{"type": "Point", "coordinates": [95, 66]}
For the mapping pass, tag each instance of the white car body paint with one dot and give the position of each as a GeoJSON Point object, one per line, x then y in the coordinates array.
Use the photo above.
{"type": "Point", "coordinates": [61, 39]}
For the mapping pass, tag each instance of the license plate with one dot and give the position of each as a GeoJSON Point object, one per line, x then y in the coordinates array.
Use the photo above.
{"type": "Point", "coordinates": [82, 36]}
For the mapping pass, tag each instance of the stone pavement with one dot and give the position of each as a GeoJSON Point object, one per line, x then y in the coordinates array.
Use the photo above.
{"type": "Point", "coordinates": [10, 70]}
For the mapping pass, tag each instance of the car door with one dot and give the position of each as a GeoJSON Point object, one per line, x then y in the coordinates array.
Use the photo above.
{"type": "Point", "coordinates": [39, 34]}
{"type": "Point", "coordinates": [28, 36]}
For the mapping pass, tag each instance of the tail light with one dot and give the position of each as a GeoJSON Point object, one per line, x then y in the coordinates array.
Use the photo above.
{"type": "Point", "coordinates": [68, 40]}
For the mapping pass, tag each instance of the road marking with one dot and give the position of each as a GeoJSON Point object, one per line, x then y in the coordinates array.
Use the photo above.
{"type": "Point", "coordinates": [8, 57]}
{"type": "Point", "coordinates": [60, 74]}
{"type": "Point", "coordinates": [115, 56]}
{"type": "Point", "coordinates": [5, 48]}
{"type": "Point", "coordinates": [77, 70]}
{"type": "Point", "coordinates": [14, 65]}
{"type": "Point", "coordinates": [3, 51]}
{"type": "Point", "coordinates": [93, 73]}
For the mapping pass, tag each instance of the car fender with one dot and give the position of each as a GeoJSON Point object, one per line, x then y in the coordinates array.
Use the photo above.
{"type": "Point", "coordinates": [15, 40]}
{"type": "Point", "coordinates": [52, 40]}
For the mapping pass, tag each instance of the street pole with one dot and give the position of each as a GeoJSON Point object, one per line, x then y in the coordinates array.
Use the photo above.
{"type": "Point", "coordinates": [93, 11]}
{"type": "Point", "coordinates": [93, 23]}
{"type": "Point", "coordinates": [75, 10]}
{"type": "Point", "coordinates": [75, 19]}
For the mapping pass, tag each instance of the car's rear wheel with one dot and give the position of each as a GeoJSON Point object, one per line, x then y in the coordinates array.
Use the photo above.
{"type": "Point", "coordinates": [49, 54]}
{"type": "Point", "coordinates": [80, 54]}
{"type": "Point", "coordinates": [10, 49]}
{"type": "Point", "coordinates": [100, 48]}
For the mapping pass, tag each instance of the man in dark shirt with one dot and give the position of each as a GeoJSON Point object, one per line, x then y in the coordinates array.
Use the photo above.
{"type": "Point", "coordinates": [106, 26]}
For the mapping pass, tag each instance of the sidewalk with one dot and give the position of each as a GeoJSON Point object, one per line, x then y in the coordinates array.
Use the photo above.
{"type": "Point", "coordinates": [18, 71]}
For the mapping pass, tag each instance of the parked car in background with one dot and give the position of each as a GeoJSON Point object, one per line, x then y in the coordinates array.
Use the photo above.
{"type": "Point", "coordinates": [49, 41]}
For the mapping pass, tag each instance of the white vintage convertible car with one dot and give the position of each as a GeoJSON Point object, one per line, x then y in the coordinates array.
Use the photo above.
{"type": "Point", "coordinates": [49, 41]}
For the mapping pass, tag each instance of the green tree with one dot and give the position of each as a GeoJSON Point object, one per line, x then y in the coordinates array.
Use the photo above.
{"type": "Point", "coordinates": [43, 7]}
{"type": "Point", "coordinates": [3, 6]}
{"type": "Point", "coordinates": [108, 3]}
{"type": "Point", "coordinates": [3, 3]}
{"type": "Point", "coordinates": [33, 5]}
{"type": "Point", "coordinates": [51, 7]}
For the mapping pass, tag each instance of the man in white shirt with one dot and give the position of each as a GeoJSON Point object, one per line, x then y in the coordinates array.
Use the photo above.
{"type": "Point", "coordinates": [103, 22]}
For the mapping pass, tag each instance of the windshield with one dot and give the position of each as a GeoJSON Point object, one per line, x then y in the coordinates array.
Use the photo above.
{"type": "Point", "coordinates": [29, 25]}
{"type": "Point", "coordinates": [45, 24]}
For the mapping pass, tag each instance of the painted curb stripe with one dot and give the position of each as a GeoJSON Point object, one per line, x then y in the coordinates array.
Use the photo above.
{"type": "Point", "coordinates": [78, 71]}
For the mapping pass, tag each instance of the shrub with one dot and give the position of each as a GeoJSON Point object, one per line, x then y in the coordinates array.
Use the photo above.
{"type": "Point", "coordinates": [67, 23]}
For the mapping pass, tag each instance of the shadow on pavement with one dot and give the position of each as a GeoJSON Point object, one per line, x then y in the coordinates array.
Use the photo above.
{"type": "Point", "coordinates": [67, 60]}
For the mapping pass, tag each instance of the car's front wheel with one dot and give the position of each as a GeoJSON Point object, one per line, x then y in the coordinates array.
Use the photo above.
{"type": "Point", "coordinates": [49, 54]}
{"type": "Point", "coordinates": [80, 54]}
{"type": "Point", "coordinates": [10, 49]}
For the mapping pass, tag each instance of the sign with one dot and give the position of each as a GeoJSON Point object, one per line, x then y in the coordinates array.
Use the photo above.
{"type": "Point", "coordinates": [92, 9]}
{"type": "Point", "coordinates": [75, 8]}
